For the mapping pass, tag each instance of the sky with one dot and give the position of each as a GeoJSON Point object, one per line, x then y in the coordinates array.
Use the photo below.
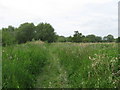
{"type": "Point", "coordinates": [99, 17]}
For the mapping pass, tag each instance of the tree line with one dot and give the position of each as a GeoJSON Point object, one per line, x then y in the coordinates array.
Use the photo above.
{"type": "Point", "coordinates": [28, 32]}
{"type": "Point", "coordinates": [78, 37]}
{"type": "Point", "coordinates": [45, 32]}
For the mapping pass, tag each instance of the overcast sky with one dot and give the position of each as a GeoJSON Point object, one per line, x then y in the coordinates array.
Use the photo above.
{"type": "Point", "coordinates": [99, 17]}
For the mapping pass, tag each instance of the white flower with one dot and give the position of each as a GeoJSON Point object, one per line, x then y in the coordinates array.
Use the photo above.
{"type": "Point", "coordinates": [90, 58]}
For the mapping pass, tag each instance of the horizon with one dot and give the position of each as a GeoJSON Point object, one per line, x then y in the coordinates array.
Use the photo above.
{"type": "Point", "coordinates": [62, 35]}
{"type": "Point", "coordinates": [86, 16]}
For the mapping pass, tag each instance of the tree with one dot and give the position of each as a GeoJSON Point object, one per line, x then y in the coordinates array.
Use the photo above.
{"type": "Point", "coordinates": [108, 38]}
{"type": "Point", "coordinates": [61, 39]}
{"type": "Point", "coordinates": [77, 37]}
{"type": "Point", "coordinates": [98, 39]}
{"type": "Point", "coordinates": [105, 39]}
{"type": "Point", "coordinates": [25, 32]}
{"type": "Point", "coordinates": [119, 39]}
{"type": "Point", "coordinates": [69, 39]}
{"type": "Point", "coordinates": [85, 39]}
{"type": "Point", "coordinates": [91, 38]}
{"type": "Point", "coordinates": [45, 32]}
{"type": "Point", "coordinates": [8, 36]}
{"type": "Point", "coordinates": [11, 28]}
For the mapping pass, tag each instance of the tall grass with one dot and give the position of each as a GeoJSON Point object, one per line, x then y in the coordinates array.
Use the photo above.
{"type": "Point", "coordinates": [21, 65]}
{"type": "Point", "coordinates": [79, 65]}
{"type": "Point", "coordinates": [89, 65]}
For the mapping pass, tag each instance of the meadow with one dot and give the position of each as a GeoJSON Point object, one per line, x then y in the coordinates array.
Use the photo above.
{"type": "Point", "coordinates": [60, 65]}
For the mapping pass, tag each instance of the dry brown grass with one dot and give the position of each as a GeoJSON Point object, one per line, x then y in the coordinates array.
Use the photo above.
{"type": "Point", "coordinates": [36, 42]}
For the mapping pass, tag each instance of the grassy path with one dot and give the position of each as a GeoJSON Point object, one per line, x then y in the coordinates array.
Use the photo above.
{"type": "Point", "coordinates": [60, 65]}
{"type": "Point", "coordinates": [53, 74]}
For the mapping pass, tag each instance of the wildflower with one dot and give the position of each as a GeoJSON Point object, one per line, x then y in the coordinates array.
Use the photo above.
{"type": "Point", "coordinates": [10, 57]}
{"type": "Point", "coordinates": [50, 83]}
{"type": "Point", "coordinates": [93, 65]}
{"type": "Point", "coordinates": [113, 82]}
{"type": "Point", "coordinates": [93, 58]}
{"type": "Point", "coordinates": [90, 58]}
{"type": "Point", "coordinates": [18, 87]}
{"type": "Point", "coordinates": [110, 78]}
{"type": "Point", "coordinates": [95, 54]}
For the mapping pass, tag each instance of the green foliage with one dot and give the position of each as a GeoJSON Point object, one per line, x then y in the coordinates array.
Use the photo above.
{"type": "Point", "coordinates": [11, 28]}
{"type": "Point", "coordinates": [98, 39]}
{"type": "Point", "coordinates": [77, 37]}
{"type": "Point", "coordinates": [108, 38]}
{"type": "Point", "coordinates": [61, 39]}
{"type": "Point", "coordinates": [8, 36]}
{"type": "Point", "coordinates": [45, 32]}
{"type": "Point", "coordinates": [67, 65]}
{"type": "Point", "coordinates": [89, 66]}
{"type": "Point", "coordinates": [118, 39]}
{"type": "Point", "coordinates": [25, 32]}
{"type": "Point", "coordinates": [69, 39]}
{"type": "Point", "coordinates": [21, 65]}
{"type": "Point", "coordinates": [91, 38]}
